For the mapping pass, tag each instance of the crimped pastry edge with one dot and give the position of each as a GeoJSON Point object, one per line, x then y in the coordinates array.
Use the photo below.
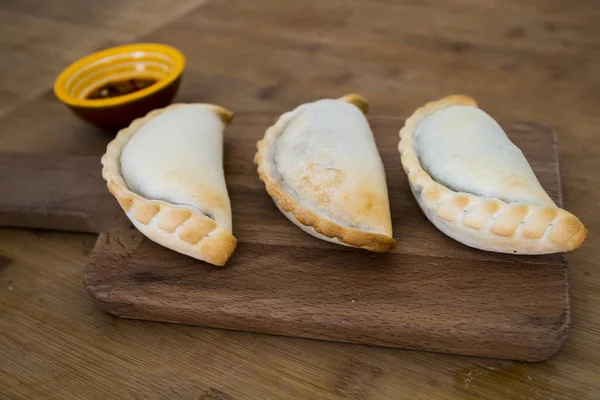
{"type": "Point", "coordinates": [306, 219]}
{"type": "Point", "coordinates": [484, 223]}
{"type": "Point", "coordinates": [181, 228]}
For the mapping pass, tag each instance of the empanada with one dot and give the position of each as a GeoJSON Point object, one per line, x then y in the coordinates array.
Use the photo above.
{"type": "Point", "coordinates": [166, 171]}
{"type": "Point", "coordinates": [476, 186]}
{"type": "Point", "coordinates": [321, 166]}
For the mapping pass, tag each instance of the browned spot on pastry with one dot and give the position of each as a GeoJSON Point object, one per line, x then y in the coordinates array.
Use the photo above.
{"type": "Point", "coordinates": [478, 215]}
{"type": "Point", "coordinates": [319, 181]}
{"type": "Point", "coordinates": [358, 101]}
{"type": "Point", "coordinates": [210, 198]}
{"type": "Point", "coordinates": [409, 159]}
{"type": "Point", "coordinates": [418, 175]}
{"type": "Point", "coordinates": [538, 222]}
{"type": "Point", "coordinates": [195, 229]}
{"type": "Point", "coordinates": [456, 99]}
{"type": "Point", "coordinates": [491, 208]}
{"type": "Point", "coordinates": [568, 231]}
{"type": "Point", "coordinates": [369, 199]}
{"type": "Point", "coordinates": [450, 208]}
{"type": "Point", "coordinates": [474, 219]}
{"type": "Point", "coordinates": [125, 202]}
{"type": "Point", "coordinates": [115, 190]}
{"type": "Point", "coordinates": [431, 195]}
{"type": "Point", "coordinates": [224, 114]}
{"type": "Point", "coordinates": [170, 220]}
{"type": "Point", "coordinates": [508, 221]}
{"type": "Point", "coordinates": [218, 247]}
{"type": "Point", "coordinates": [461, 201]}
{"type": "Point", "coordinates": [144, 212]}
{"type": "Point", "coordinates": [446, 211]}
{"type": "Point", "coordinates": [366, 206]}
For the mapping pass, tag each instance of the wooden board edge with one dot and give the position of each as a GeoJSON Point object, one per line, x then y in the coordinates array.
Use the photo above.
{"type": "Point", "coordinates": [533, 351]}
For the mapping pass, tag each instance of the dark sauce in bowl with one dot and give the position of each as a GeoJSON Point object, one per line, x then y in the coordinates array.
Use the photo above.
{"type": "Point", "coordinates": [120, 88]}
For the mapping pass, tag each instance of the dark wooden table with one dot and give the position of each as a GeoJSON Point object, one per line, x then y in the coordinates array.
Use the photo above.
{"type": "Point", "coordinates": [537, 60]}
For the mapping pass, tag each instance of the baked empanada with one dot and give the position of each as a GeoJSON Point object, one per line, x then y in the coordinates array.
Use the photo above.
{"type": "Point", "coordinates": [476, 186]}
{"type": "Point", "coordinates": [321, 166]}
{"type": "Point", "coordinates": [166, 171]}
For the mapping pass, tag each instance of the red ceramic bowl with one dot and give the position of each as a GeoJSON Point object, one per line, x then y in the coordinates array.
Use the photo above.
{"type": "Point", "coordinates": [144, 61]}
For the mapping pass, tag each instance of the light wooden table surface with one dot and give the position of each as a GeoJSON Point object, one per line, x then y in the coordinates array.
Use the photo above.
{"type": "Point", "coordinates": [522, 60]}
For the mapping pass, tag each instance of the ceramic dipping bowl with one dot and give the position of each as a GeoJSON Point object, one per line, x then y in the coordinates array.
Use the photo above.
{"type": "Point", "coordinates": [113, 87]}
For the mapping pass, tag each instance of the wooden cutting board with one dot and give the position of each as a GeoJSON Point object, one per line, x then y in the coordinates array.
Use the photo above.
{"type": "Point", "coordinates": [431, 293]}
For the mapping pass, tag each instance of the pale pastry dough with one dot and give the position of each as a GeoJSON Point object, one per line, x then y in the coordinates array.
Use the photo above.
{"type": "Point", "coordinates": [476, 186]}
{"type": "Point", "coordinates": [321, 166]}
{"type": "Point", "coordinates": [166, 171]}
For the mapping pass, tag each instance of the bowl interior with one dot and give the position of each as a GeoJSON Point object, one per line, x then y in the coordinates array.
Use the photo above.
{"type": "Point", "coordinates": [121, 63]}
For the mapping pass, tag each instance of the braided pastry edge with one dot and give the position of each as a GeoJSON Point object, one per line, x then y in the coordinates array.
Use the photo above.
{"type": "Point", "coordinates": [184, 229]}
{"type": "Point", "coordinates": [484, 223]}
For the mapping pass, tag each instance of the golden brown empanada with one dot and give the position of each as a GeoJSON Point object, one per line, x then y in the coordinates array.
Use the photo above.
{"type": "Point", "coordinates": [476, 186]}
{"type": "Point", "coordinates": [166, 171]}
{"type": "Point", "coordinates": [321, 166]}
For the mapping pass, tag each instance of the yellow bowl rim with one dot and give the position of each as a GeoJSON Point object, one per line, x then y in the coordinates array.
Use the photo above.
{"type": "Point", "coordinates": [176, 55]}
